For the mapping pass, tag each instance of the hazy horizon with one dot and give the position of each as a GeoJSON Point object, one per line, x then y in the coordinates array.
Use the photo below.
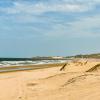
{"type": "Point", "coordinates": [31, 28]}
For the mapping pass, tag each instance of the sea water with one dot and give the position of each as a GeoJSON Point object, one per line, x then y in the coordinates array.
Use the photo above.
{"type": "Point", "coordinates": [23, 63]}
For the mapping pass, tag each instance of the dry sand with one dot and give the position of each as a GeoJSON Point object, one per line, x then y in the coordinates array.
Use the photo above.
{"type": "Point", "coordinates": [80, 80]}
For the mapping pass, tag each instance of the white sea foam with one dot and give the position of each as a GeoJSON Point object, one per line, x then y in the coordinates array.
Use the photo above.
{"type": "Point", "coordinates": [21, 63]}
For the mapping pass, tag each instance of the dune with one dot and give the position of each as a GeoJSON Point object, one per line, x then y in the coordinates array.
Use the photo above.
{"type": "Point", "coordinates": [94, 68]}
{"type": "Point", "coordinates": [80, 80]}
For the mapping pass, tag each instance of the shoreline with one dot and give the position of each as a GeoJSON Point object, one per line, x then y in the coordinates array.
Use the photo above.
{"type": "Point", "coordinates": [28, 67]}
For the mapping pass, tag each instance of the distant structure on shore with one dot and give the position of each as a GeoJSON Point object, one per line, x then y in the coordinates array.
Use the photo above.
{"type": "Point", "coordinates": [57, 57]}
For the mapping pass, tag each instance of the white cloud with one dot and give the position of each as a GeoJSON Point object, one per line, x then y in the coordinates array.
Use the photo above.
{"type": "Point", "coordinates": [26, 13]}
{"type": "Point", "coordinates": [41, 7]}
{"type": "Point", "coordinates": [85, 26]}
{"type": "Point", "coordinates": [51, 5]}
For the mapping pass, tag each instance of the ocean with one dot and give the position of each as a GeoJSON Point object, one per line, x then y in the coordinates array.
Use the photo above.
{"type": "Point", "coordinates": [28, 62]}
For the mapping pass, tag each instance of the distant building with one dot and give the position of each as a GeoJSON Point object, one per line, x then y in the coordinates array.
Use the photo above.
{"type": "Point", "coordinates": [57, 57]}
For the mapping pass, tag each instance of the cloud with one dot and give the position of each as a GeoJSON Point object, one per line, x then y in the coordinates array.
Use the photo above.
{"type": "Point", "coordinates": [42, 7]}
{"type": "Point", "coordinates": [34, 18]}
{"type": "Point", "coordinates": [39, 7]}
{"type": "Point", "coordinates": [87, 25]}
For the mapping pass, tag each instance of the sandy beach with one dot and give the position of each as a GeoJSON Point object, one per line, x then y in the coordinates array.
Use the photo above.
{"type": "Point", "coordinates": [79, 80]}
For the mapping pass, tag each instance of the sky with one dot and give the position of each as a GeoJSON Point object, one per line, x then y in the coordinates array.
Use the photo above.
{"type": "Point", "coordinates": [49, 27]}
